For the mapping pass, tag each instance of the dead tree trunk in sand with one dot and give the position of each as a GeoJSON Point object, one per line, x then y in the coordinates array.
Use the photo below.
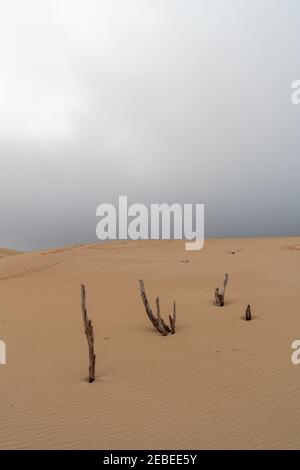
{"type": "Point", "coordinates": [220, 292]}
{"type": "Point", "coordinates": [157, 321]}
{"type": "Point", "coordinates": [248, 316]}
{"type": "Point", "coordinates": [88, 328]}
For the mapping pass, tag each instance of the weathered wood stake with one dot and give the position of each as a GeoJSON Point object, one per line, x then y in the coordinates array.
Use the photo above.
{"type": "Point", "coordinates": [88, 328]}
{"type": "Point", "coordinates": [248, 316]}
{"type": "Point", "coordinates": [220, 292]}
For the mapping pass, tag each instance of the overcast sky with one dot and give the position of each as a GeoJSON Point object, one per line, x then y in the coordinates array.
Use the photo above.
{"type": "Point", "coordinates": [161, 100]}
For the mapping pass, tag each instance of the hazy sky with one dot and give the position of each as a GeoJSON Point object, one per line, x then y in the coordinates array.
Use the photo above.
{"type": "Point", "coordinates": [161, 100]}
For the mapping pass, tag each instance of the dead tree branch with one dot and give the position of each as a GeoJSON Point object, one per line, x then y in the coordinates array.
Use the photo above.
{"type": "Point", "coordinates": [88, 328]}
{"type": "Point", "coordinates": [173, 319]}
{"type": "Point", "coordinates": [220, 292]}
{"type": "Point", "coordinates": [157, 321]}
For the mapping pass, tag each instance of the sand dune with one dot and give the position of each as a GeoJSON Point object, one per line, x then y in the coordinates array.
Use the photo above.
{"type": "Point", "coordinates": [6, 252]}
{"type": "Point", "coordinates": [220, 382]}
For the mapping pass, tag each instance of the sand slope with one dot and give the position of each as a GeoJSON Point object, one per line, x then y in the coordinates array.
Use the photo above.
{"type": "Point", "coordinates": [6, 252]}
{"type": "Point", "coordinates": [218, 383]}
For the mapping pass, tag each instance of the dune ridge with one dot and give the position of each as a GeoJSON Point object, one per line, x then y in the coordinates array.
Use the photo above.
{"type": "Point", "coordinates": [8, 252]}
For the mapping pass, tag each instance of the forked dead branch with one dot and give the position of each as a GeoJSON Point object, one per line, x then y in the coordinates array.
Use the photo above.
{"type": "Point", "coordinates": [220, 292]}
{"type": "Point", "coordinates": [157, 320]}
{"type": "Point", "coordinates": [88, 328]}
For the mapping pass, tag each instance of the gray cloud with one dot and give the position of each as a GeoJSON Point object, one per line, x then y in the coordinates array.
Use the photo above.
{"type": "Point", "coordinates": [160, 100]}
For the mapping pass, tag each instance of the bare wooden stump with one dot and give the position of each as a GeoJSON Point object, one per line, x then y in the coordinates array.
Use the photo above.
{"type": "Point", "coordinates": [220, 292]}
{"type": "Point", "coordinates": [248, 316]}
{"type": "Point", "coordinates": [88, 328]}
{"type": "Point", "coordinates": [157, 320]}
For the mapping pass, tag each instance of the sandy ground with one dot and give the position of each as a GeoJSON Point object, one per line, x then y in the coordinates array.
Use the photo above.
{"type": "Point", "coordinates": [219, 383]}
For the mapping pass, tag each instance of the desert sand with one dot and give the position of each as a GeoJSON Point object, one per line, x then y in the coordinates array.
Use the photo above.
{"type": "Point", "coordinates": [218, 383]}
